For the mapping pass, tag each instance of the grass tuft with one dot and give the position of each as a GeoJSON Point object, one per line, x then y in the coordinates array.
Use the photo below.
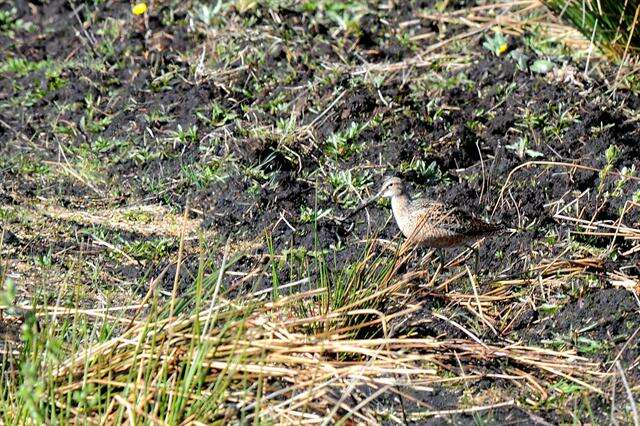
{"type": "Point", "coordinates": [611, 24]}
{"type": "Point", "coordinates": [296, 355]}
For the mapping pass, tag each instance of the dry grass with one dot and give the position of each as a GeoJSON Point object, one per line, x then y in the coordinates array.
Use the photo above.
{"type": "Point", "coordinates": [219, 359]}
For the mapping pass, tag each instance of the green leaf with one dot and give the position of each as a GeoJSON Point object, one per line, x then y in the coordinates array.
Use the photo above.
{"type": "Point", "coordinates": [8, 294]}
{"type": "Point", "coordinates": [589, 346]}
{"type": "Point", "coordinates": [496, 44]}
{"type": "Point", "coordinates": [567, 388]}
{"type": "Point", "coordinates": [549, 308]}
{"type": "Point", "coordinates": [612, 154]}
{"type": "Point", "coordinates": [542, 66]}
{"type": "Point", "coordinates": [520, 58]}
{"type": "Point", "coordinates": [534, 154]}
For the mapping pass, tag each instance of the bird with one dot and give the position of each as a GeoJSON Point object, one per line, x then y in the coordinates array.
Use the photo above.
{"type": "Point", "coordinates": [430, 223]}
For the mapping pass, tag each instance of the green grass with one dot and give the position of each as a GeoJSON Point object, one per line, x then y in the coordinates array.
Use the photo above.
{"type": "Point", "coordinates": [611, 24]}
{"type": "Point", "coordinates": [186, 358]}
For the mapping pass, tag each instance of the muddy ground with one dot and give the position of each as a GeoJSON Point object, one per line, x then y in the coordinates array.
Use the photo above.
{"type": "Point", "coordinates": [261, 120]}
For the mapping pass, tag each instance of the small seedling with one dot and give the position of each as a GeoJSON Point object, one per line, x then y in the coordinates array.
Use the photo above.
{"type": "Point", "coordinates": [567, 388]}
{"type": "Point", "coordinates": [599, 130]}
{"type": "Point", "coordinates": [201, 176]}
{"type": "Point", "coordinates": [208, 13]}
{"type": "Point", "coordinates": [611, 156]}
{"type": "Point", "coordinates": [8, 293]}
{"type": "Point", "coordinates": [551, 237]}
{"type": "Point", "coordinates": [186, 136]}
{"type": "Point", "coordinates": [342, 144]}
{"type": "Point", "coordinates": [496, 44]}
{"type": "Point", "coordinates": [346, 15]}
{"type": "Point", "coordinates": [561, 118]}
{"type": "Point", "coordinates": [588, 346]}
{"type": "Point", "coordinates": [542, 66]}
{"type": "Point", "coordinates": [626, 174]}
{"type": "Point", "coordinates": [521, 148]}
{"type": "Point", "coordinates": [424, 170]}
{"type": "Point", "coordinates": [311, 215]}
{"type": "Point", "coordinates": [347, 186]}
{"type": "Point", "coordinates": [520, 59]}
{"type": "Point", "coordinates": [219, 116]}
{"type": "Point", "coordinates": [138, 215]}
{"type": "Point", "coordinates": [549, 308]}
{"type": "Point", "coordinates": [44, 260]}
{"type": "Point", "coordinates": [10, 23]}
{"type": "Point", "coordinates": [150, 249]}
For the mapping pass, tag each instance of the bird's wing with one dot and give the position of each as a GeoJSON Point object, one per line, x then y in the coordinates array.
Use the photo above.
{"type": "Point", "coordinates": [449, 218]}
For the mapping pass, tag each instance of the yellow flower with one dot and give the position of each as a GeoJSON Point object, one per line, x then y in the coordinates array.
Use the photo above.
{"type": "Point", "coordinates": [139, 8]}
{"type": "Point", "coordinates": [502, 48]}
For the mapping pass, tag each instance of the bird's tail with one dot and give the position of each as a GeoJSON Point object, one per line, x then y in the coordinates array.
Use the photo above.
{"type": "Point", "coordinates": [484, 229]}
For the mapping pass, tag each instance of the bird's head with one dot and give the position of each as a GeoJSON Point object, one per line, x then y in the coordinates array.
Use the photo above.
{"type": "Point", "coordinates": [391, 187]}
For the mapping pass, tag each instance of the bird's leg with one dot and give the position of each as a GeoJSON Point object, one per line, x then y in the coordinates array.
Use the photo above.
{"type": "Point", "coordinates": [476, 252]}
{"type": "Point", "coordinates": [440, 254]}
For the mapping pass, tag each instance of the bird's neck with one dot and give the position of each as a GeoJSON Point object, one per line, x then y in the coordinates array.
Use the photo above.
{"type": "Point", "coordinates": [400, 204]}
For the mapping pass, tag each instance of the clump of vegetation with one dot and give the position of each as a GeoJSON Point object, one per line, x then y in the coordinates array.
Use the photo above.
{"type": "Point", "coordinates": [343, 144]}
{"type": "Point", "coordinates": [610, 23]}
{"type": "Point", "coordinates": [204, 355]}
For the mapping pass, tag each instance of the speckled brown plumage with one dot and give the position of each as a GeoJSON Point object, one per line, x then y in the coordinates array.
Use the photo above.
{"type": "Point", "coordinates": [431, 223]}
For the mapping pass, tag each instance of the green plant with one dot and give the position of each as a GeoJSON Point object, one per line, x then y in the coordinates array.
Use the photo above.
{"type": "Point", "coordinates": [8, 293]}
{"type": "Point", "coordinates": [10, 23]}
{"type": "Point", "coordinates": [92, 121]}
{"type": "Point", "coordinates": [542, 66]}
{"type": "Point", "coordinates": [208, 14]}
{"type": "Point", "coordinates": [549, 308]}
{"type": "Point", "coordinates": [566, 387]}
{"type": "Point", "coordinates": [424, 170]}
{"type": "Point", "coordinates": [347, 186]}
{"type": "Point", "coordinates": [138, 215]}
{"type": "Point", "coordinates": [342, 144]}
{"type": "Point", "coordinates": [311, 215]}
{"type": "Point", "coordinates": [520, 59]}
{"type": "Point", "coordinates": [561, 116]}
{"type": "Point", "coordinates": [28, 166]}
{"type": "Point", "coordinates": [610, 23]}
{"type": "Point", "coordinates": [201, 175]}
{"type": "Point", "coordinates": [626, 174]}
{"type": "Point", "coordinates": [22, 67]}
{"type": "Point", "coordinates": [150, 249]}
{"type": "Point", "coordinates": [345, 14]}
{"type": "Point", "coordinates": [218, 116]}
{"type": "Point", "coordinates": [186, 136]}
{"type": "Point", "coordinates": [611, 156]}
{"type": "Point", "coordinates": [496, 44]}
{"type": "Point", "coordinates": [590, 346]}
{"type": "Point", "coordinates": [278, 104]}
{"type": "Point", "coordinates": [521, 148]}
{"type": "Point", "coordinates": [44, 260]}
{"type": "Point", "coordinates": [160, 116]}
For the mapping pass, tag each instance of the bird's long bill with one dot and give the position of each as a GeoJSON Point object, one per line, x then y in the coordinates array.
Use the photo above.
{"type": "Point", "coordinates": [365, 203]}
{"type": "Point", "coordinates": [371, 199]}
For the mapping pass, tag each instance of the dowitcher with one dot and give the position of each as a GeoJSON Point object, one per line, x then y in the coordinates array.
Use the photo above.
{"type": "Point", "coordinates": [430, 223]}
